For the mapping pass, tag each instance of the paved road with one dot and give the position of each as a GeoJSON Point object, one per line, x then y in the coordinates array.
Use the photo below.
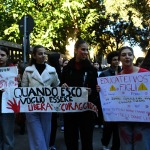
{"type": "Point", "coordinates": [21, 141]}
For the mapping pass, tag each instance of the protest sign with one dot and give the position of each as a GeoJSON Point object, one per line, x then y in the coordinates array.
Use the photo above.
{"type": "Point", "coordinates": [46, 99]}
{"type": "Point", "coordinates": [126, 97]}
{"type": "Point", "coordinates": [8, 77]}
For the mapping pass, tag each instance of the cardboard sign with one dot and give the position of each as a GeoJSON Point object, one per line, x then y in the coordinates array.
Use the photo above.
{"type": "Point", "coordinates": [46, 99]}
{"type": "Point", "coordinates": [8, 77]}
{"type": "Point", "coordinates": [126, 97]}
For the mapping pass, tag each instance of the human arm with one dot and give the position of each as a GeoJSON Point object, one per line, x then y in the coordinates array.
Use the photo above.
{"type": "Point", "coordinates": [56, 80]}
{"type": "Point", "coordinates": [25, 80]}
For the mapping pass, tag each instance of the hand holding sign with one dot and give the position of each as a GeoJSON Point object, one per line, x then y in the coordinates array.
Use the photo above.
{"type": "Point", "coordinates": [13, 105]}
{"type": "Point", "coordinates": [89, 91]}
{"type": "Point", "coordinates": [98, 89]}
{"type": "Point", "coordinates": [46, 99]}
{"type": "Point", "coordinates": [64, 85]}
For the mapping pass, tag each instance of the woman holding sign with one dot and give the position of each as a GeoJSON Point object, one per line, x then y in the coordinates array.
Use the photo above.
{"type": "Point", "coordinates": [80, 73]}
{"type": "Point", "coordinates": [7, 120]}
{"type": "Point", "coordinates": [39, 74]}
{"type": "Point", "coordinates": [133, 135]}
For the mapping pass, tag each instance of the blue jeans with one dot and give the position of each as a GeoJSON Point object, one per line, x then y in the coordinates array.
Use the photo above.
{"type": "Point", "coordinates": [7, 125]}
{"type": "Point", "coordinates": [134, 136]}
{"type": "Point", "coordinates": [39, 130]}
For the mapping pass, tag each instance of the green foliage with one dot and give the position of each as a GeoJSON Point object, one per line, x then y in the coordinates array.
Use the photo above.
{"type": "Point", "coordinates": [105, 24]}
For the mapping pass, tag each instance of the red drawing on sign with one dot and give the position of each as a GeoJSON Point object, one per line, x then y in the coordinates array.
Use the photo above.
{"type": "Point", "coordinates": [3, 83]}
{"type": "Point", "coordinates": [125, 136]}
{"type": "Point", "coordinates": [13, 105]}
{"type": "Point", "coordinates": [137, 137]}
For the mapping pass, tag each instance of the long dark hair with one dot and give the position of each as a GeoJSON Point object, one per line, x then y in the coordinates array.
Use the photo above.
{"type": "Point", "coordinates": [78, 43]}
{"type": "Point", "coordinates": [6, 50]}
{"type": "Point", "coordinates": [35, 49]}
{"type": "Point", "coordinates": [146, 62]}
{"type": "Point", "coordinates": [53, 60]}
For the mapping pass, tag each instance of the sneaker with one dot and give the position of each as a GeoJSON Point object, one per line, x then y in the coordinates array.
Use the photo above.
{"type": "Point", "coordinates": [102, 126]}
{"type": "Point", "coordinates": [62, 129]}
{"type": "Point", "coordinates": [52, 148]}
{"type": "Point", "coordinates": [96, 126]}
{"type": "Point", "coordinates": [105, 148]}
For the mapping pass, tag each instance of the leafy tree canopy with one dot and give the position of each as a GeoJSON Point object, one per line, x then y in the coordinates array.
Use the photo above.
{"type": "Point", "coordinates": [105, 24]}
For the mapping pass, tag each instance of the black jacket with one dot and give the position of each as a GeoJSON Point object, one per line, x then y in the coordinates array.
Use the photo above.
{"type": "Point", "coordinates": [85, 77]}
{"type": "Point", "coordinates": [109, 72]}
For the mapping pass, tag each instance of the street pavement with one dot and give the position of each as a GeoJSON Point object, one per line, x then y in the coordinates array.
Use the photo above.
{"type": "Point", "coordinates": [21, 141]}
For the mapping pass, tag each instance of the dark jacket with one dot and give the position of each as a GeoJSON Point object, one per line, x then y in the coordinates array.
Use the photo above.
{"type": "Point", "coordinates": [85, 77]}
{"type": "Point", "coordinates": [109, 72]}
{"type": "Point", "coordinates": [53, 60]}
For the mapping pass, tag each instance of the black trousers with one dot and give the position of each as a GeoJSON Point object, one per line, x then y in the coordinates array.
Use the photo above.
{"type": "Point", "coordinates": [111, 130]}
{"type": "Point", "coordinates": [77, 125]}
{"type": "Point", "coordinates": [53, 129]}
{"type": "Point", "coordinates": [99, 120]}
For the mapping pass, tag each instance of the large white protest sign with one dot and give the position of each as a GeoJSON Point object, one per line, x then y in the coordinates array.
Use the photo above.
{"type": "Point", "coordinates": [126, 97]}
{"type": "Point", "coordinates": [46, 99]}
{"type": "Point", "coordinates": [8, 77]}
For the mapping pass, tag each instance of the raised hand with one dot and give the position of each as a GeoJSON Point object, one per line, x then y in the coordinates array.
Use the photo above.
{"type": "Point", "coordinates": [13, 105]}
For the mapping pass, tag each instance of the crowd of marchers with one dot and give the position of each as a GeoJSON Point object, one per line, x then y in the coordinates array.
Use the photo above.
{"type": "Point", "coordinates": [56, 70]}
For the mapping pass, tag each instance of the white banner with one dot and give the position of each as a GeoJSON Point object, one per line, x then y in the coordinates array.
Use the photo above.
{"type": "Point", "coordinates": [126, 97]}
{"type": "Point", "coordinates": [8, 77]}
{"type": "Point", "coordinates": [46, 99]}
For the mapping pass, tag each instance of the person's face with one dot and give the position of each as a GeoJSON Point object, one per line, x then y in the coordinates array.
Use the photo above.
{"type": "Point", "coordinates": [126, 57]}
{"type": "Point", "coordinates": [115, 61]}
{"type": "Point", "coordinates": [96, 65]}
{"type": "Point", "coordinates": [3, 58]}
{"type": "Point", "coordinates": [139, 64]}
{"type": "Point", "coordinates": [61, 60]}
{"type": "Point", "coordinates": [40, 56]}
{"type": "Point", "coordinates": [65, 63]}
{"type": "Point", "coordinates": [82, 52]}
